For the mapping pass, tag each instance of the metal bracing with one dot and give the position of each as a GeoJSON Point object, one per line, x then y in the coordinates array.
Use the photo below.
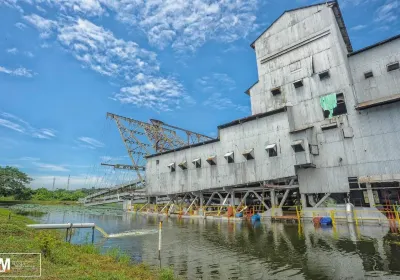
{"type": "Point", "coordinates": [142, 139]}
{"type": "Point", "coordinates": [190, 206]}
{"type": "Point", "coordinates": [226, 198]}
{"type": "Point", "coordinates": [322, 200]}
{"type": "Point", "coordinates": [284, 198]}
{"type": "Point", "coordinates": [260, 199]}
{"type": "Point", "coordinates": [212, 196]}
{"type": "Point", "coordinates": [243, 200]}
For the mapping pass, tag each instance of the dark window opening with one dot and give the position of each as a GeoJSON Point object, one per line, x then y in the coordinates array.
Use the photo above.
{"type": "Point", "coordinates": [171, 167]}
{"type": "Point", "coordinates": [212, 160]}
{"type": "Point", "coordinates": [340, 108]}
{"type": "Point", "coordinates": [248, 155]}
{"type": "Point", "coordinates": [393, 66]}
{"type": "Point", "coordinates": [272, 153]}
{"type": "Point", "coordinates": [324, 75]}
{"type": "Point", "coordinates": [230, 157]}
{"type": "Point", "coordinates": [272, 150]}
{"type": "Point", "coordinates": [276, 91]}
{"type": "Point", "coordinates": [368, 74]}
{"type": "Point", "coordinates": [298, 84]}
{"type": "Point", "coordinates": [341, 105]}
{"type": "Point", "coordinates": [157, 161]}
{"type": "Point", "coordinates": [298, 146]}
{"type": "Point", "coordinates": [183, 165]}
{"type": "Point", "coordinates": [197, 163]}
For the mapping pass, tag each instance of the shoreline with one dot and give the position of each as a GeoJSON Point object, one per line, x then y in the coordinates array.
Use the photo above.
{"type": "Point", "coordinates": [61, 260]}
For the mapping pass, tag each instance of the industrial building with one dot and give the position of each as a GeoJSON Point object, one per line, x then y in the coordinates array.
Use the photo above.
{"type": "Point", "coordinates": [324, 124]}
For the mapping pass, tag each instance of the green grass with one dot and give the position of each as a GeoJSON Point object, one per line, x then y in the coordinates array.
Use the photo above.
{"type": "Point", "coordinates": [61, 260]}
{"type": "Point", "coordinates": [11, 200]}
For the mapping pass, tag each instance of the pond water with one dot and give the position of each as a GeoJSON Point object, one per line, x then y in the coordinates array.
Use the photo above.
{"type": "Point", "coordinates": [216, 249]}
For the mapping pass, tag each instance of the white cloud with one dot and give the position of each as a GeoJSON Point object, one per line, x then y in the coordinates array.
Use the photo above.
{"type": "Point", "coordinates": [28, 54]}
{"type": "Point", "coordinates": [187, 25]}
{"type": "Point", "coordinates": [216, 81]}
{"type": "Point", "coordinates": [154, 93]}
{"type": "Point", "coordinates": [90, 143]}
{"type": "Point", "coordinates": [184, 25]}
{"type": "Point", "coordinates": [12, 51]}
{"type": "Point", "coordinates": [359, 27]}
{"type": "Point", "coordinates": [20, 25]}
{"type": "Point", "coordinates": [45, 26]}
{"type": "Point", "coordinates": [21, 72]}
{"type": "Point", "coordinates": [98, 49]}
{"type": "Point", "coordinates": [219, 102]}
{"type": "Point", "coordinates": [11, 125]}
{"type": "Point", "coordinates": [17, 124]}
{"type": "Point", "coordinates": [111, 159]}
{"type": "Point", "coordinates": [50, 167]}
{"type": "Point", "coordinates": [29, 159]}
{"type": "Point", "coordinates": [11, 4]}
{"type": "Point", "coordinates": [388, 12]}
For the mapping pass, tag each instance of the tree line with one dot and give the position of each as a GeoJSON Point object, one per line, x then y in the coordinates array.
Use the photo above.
{"type": "Point", "coordinates": [15, 183]}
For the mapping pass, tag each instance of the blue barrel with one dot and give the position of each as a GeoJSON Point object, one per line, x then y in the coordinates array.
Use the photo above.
{"type": "Point", "coordinates": [326, 221]}
{"type": "Point", "coordinates": [255, 218]}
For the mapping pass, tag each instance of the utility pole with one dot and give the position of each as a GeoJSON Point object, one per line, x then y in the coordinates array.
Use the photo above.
{"type": "Point", "coordinates": [54, 182]}
{"type": "Point", "coordinates": [68, 182]}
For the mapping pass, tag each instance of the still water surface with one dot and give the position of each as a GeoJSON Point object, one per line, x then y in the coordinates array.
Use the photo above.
{"type": "Point", "coordinates": [215, 249]}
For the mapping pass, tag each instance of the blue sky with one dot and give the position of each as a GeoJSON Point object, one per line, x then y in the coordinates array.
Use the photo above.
{"type": "Point", "coordinates": [65, 63]}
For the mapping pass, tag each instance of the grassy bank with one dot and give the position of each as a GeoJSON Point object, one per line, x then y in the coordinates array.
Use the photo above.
{"type": "Point", "coordinates": [62, 260]}
{"type": "Point", "coordinates": [11, 200]}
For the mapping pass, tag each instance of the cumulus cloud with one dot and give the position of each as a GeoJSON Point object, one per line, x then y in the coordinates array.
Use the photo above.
{"type": "Point", "coordinates": [17, 124]}
{"type": "Point", "coordinates": [45, 26]}
{"type": "Point", "coordinates": [20, 25]}
{"type": "Point", "coordinates": [219, 102]}
{"type": "Point", "coordinates": [153, 92]}
{"type": "Point", "coordinates": [98, 49]}
{"type": "Point", "coordinates": [187, 25]}
{"type": "Point", "coordinates": [184, 25]}
{"type": "Point", "coordinates": [21, 72]}
{"type": "Point", "coordinates": [216, 81]}
{"type": "Point", "coordinates": [388, 12]}
{"type": "Point", "coordinates": [12, 51]}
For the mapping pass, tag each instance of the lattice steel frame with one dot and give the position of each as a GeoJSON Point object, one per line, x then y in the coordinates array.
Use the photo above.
{"type": "Point", "coordinates": [141, 139]}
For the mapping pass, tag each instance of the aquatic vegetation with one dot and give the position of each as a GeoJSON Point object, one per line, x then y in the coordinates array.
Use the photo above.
{"type": "Point", "coordinates": [31, 208]}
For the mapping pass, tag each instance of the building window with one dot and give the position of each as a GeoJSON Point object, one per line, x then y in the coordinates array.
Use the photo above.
{"type": "Point", "coordinates": [324, 75]}
{"type": "Point", "coordinates": [298, 146]}
{"type": "Point", "coordinates": [249, 154]}
{"type": "Point", "coordinates": [212, 160]}
{"type": "Point", "coordinates": [157, 161]}
{"type": "Point", "coordinates": [341, 105]}
{"type": "Point", "coordinates": [230, 157]}
{"type": "Point", "coordinates": [276, 91]}
{"type": "Point", "coordinates": [393, 66]}
{"type": "Point", "coordinates": [368, 74]}
{"type": "Point", "coordinates": [333, 105]}
{"type": "Point", "coordinates": [171, 166]}
{"type": "Point", "coordinates": [183, 165]}
{"type": "Point", "coordinates": [272, 150]}
{"type": "Point", "coordinates": [298, 84]}
{"type": "Point", "coordinates": [197, 162]}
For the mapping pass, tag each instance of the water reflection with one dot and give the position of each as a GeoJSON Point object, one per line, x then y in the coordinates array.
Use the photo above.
{"type": "Point", "coordinates": [215, 249]}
